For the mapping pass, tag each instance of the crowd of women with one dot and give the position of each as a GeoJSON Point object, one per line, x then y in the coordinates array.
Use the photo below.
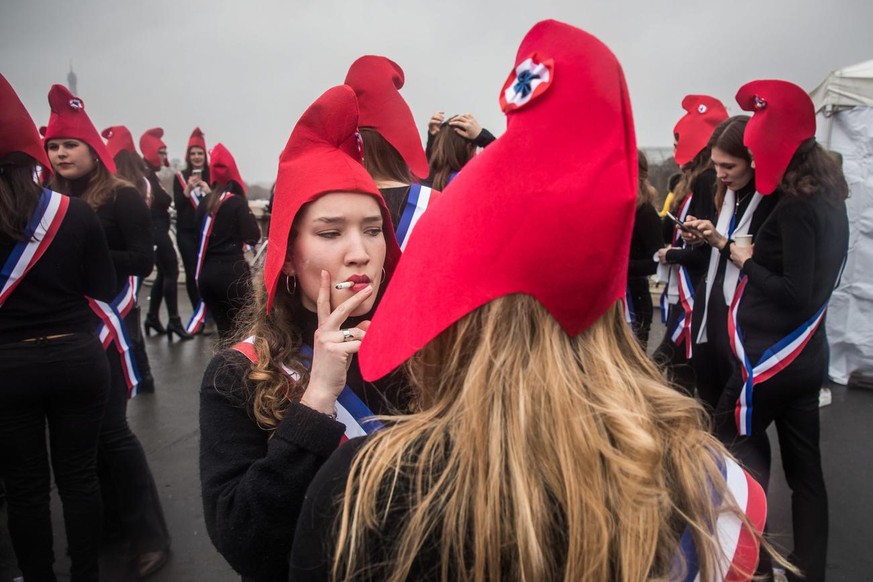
{"type": "Point", "coordinates": [475, 409]}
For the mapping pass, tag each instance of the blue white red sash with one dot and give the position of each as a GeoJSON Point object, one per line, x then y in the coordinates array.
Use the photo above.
{"type": "Point", "coordinates": [195, 195]}
{"type": "Point", "coordinates": [774, 359]}
{"type": "Point", "coordinates": [680, 285]}
{"type": "Point", "coordinates": [38, 235]}
{"type": "Point", "coordinates": [198, 318]}
{"type": "Point", "coordinates": [416, 204]}
{"type": "Point", "coordinates": [350, 410]}
{"type": "Point", "coordinates": [739, 547]}
{"type": "Point", "coordinates": [627, 304]}
{"type": "Point", "coordinates": [113, 330]}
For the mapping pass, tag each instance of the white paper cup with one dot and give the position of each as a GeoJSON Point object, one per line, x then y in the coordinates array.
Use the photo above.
{"type": "Point", "coordinates": [743, 241]}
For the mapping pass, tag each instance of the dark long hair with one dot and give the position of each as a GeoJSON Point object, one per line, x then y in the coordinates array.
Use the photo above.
{"type": "Point", "coordinates": [813, 171]}
{"type": "Point", "coordinates": [450, 153]}
{"type": "Point", "coordinates": [211, 200]}
{"type": "Point", "coordinates": [19, 194]}
{"type": "Point", "coordinates": [382, 160]}
{"type": "Point", "coordinates": [690, 172]}
{"type": "Point", "coordinates": [728, 137]}
{"type": "Point", "coordinates": [132, 168]}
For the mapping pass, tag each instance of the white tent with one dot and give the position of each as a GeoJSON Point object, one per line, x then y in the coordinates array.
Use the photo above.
{"type": "Point", "coordinates": [844, 106]}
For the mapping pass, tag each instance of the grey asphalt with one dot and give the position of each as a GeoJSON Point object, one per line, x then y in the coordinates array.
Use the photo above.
{"type": "Point", "coordinates": [167, 425]}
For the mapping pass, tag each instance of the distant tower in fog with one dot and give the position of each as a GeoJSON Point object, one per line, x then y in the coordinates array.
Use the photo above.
{"type": "Point", "coordinates": [71, 80]}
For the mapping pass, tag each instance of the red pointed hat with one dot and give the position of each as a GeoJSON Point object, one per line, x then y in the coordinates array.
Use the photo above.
{"type": "Point", "coordinates": [547, 210]}
{"type": "Point", "coordinates": [222, 167]}
{"type": "Point", "coordinates": [197, 140]}
{"type": "Point", "coordinates": [149, 144]}
{"type": "Point", "coordinates": [703, 114]}
{"type": "Point", "coordinates": [17, 131]}
{"type": "Point", "coordinates": [783, 118]}
{"type": "Point", "coordinates": [323, 155]}
{"type": "Point", "coordinates": [376, 81]}
{"type": "Point", "coordinates": [118, 139]}
{"type": "Point", "coordinates": [68, 119]}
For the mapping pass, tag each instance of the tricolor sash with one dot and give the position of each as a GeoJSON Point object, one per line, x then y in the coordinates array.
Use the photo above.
{"type": "Point", "coordinates": [679, 285]}
{"type": "Point", "coordinates": [38, 236]}
{"type": "Point", "coordinates": [350, 410]}
{"type": "Point", "coordinates": [113, 330]}
{"type": "Point", "coordinates": [627, 304]}
{"type": "Point", "coordinates": [195, 195]}
{"type": "Point", "coordinates": [416, 204]}
{"type": "Point", "coordinates": [774, 359]}
{"type": "Point", "coordinates": [739, 548]}
{"type": "Point", "coordinates": [198, 318]}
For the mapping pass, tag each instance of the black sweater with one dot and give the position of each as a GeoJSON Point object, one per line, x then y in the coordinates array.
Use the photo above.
{"type": "Point", "coordinates": [186, 220]}
{"type": "Point", "coordinates": [253, 485]}
{"type": "Point", "coordinates": [161, 200]}
{"type": "Point", "coordinates": [645, 241]}
{"type": "Point", "coordinates": [798, 254]}
{"type": "Point", "coordinates": [51, 298]}
{"type": "Point", "coordinates": [695, 258]}
{"type": "Point", "coordinates": [234, 226]}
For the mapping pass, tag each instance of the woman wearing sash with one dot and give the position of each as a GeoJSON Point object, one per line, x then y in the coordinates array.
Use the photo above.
{"type": "Point", "coordinates": [546, 445]}
{"type": "Point", "coordinates": [777, 319]}
{"type": "Point", "coordinates": [226, 226]}
{"type": "Point", "coordinates": [392, 147]}
{"type": "Point", "coordinates": [52, 254]}
{"type": "Point", "coordinates": [741, 211]}
{"type": "Point", "coordinates": [189, 188]}
{"type": "Point", "coordinates": [275, 405]}
{"type": "Point", "coordinates": [682, 265]}
{"type": "Point", "coordinates": [165, 288]}
{"type": "Point", "coordinates": [84, 169]}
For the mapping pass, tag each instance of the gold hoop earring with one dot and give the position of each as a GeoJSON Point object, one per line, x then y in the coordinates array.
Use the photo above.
{"type": "Point", "coordinates": [287, 286]}
{"type": "Point", "coordinates": [383, 274]}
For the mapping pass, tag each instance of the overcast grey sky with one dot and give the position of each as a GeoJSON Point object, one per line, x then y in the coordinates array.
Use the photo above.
{"type": "Point", "coordinates": [244, 71]}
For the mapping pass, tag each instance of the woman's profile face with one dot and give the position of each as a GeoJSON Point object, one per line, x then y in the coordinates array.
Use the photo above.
{"type": "Point", "coordinates": [71, 159]}
{"type": "Point", "coordinates": [341, 233]}
{"type": "Point", "coordinates": [197, 157]}
{"type": "Point", "coordinates": [733, 172]}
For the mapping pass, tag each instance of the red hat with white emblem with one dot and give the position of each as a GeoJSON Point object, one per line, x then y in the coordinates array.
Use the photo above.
{"type": "Point", "coordinates": [222, 167]}
{"type": "Point", "coordinates": [783, 118]}
{"type": "Point", "coordinates": [149, 144]}
{"type": "Point", "coordinates": [69, 120]}
{"type": "Point", "coordinates": [323, 155]}
{"type": "Point", "coordinates": [118, 139]}
{"type": "Point", "coordinates": [546, 210]}
{"type": "Point", "coordinates": [693, 131]}
{"type": "Point", "coordinates": [17, 130]}
{"type": "Point", "coordinates": [377, 81]}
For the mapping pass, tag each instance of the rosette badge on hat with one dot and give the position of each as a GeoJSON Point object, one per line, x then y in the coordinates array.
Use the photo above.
{"type": "Point", "coordinates": [68, 119]}
{"type": "Point", "coordinates": [692, 132]}
{"type": "Point", "coordinates": [546, 210]}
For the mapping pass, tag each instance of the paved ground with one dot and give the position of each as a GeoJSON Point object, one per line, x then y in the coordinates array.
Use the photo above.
{"type": "Point", "coordinates": [166, 423]}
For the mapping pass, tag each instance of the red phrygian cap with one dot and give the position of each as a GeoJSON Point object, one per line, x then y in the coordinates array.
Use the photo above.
{"type": "Point", "coordinates": [323, 155]}
{"type": "Point", "coordinates": [118, 138]}
{"type": "Point", "coordinates": [222, 167]}
{"type": "Point", "coordinates": [149, 144]}
{"type": "Point", "coordinates": [693, 131]}
{"type": "Point", "coordinates": [783, 118]}
{"type": "Point", "coordinates": [547, 210]}
{"type": "Point", "coordinates": [17, 131]}
{"type": "Point", "coordinates": [376, 81]}
{"type": "Point", "coordinates": [196, 140]}
{"type": "Point", "coordinates": [68, 119]}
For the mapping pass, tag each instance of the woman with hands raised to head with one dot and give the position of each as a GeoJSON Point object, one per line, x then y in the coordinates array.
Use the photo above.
{"type": "Point", "coordinates": [288, 390]}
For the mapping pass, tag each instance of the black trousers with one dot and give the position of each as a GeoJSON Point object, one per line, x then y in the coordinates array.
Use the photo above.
{"type": "Point", "coordinates": [671, 358]}
{"type": "Point", "coordinates": [790, 399]}
{"type": "Point", "coordinates": [63, 382]}
{"type": "Point", "coordinates": [641, 306]}
{"type": "Point", "coordinates": [130, 496]}
{"type": "Point", "coordinates": [225, 285]}
{"type": "Point", "coordinates": [167, 264]}
{"type": "Point", "coordinates": [187, 241]}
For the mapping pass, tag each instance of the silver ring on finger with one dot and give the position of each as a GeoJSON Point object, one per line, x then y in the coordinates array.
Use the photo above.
{"type": "Point", "coordinates": [347, 335]}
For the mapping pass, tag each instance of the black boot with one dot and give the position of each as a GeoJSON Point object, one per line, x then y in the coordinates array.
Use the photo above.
{"type": "Point", "coordinates": [153, 322]}
{"type": "Point", "coordinates": [174, 326]}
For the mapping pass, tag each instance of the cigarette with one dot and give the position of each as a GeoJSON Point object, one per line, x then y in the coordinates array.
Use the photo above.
{"type": "Point", "coordinates": [344, 285]}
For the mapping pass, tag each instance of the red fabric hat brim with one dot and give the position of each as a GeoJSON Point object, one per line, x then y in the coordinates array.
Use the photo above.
{"type": "Point", "coordinates": [69, 120]}
{"type": "Point", "coordinates": [149, 144]}
{"type": "Point", "coordinates": [118, 139]}
{"type": "Point", "coordinates": [17, 131]}
{"type": "Point", "coordinates": [783, 118]}
{"type": "Point", "coordinates": [222, 167]}
{"type": "Point", "coordinates": [546, 210]}
{"type": "Point", "coordinates": [322, 156]}
{"type": "Point", "coordinates": [376, 81]}
{"type": "Point", "coordinates": [703, 114]}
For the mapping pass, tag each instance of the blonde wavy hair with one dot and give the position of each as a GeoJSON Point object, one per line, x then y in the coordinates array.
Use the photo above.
{"type": "Point", "coordinates": [535, 456]}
